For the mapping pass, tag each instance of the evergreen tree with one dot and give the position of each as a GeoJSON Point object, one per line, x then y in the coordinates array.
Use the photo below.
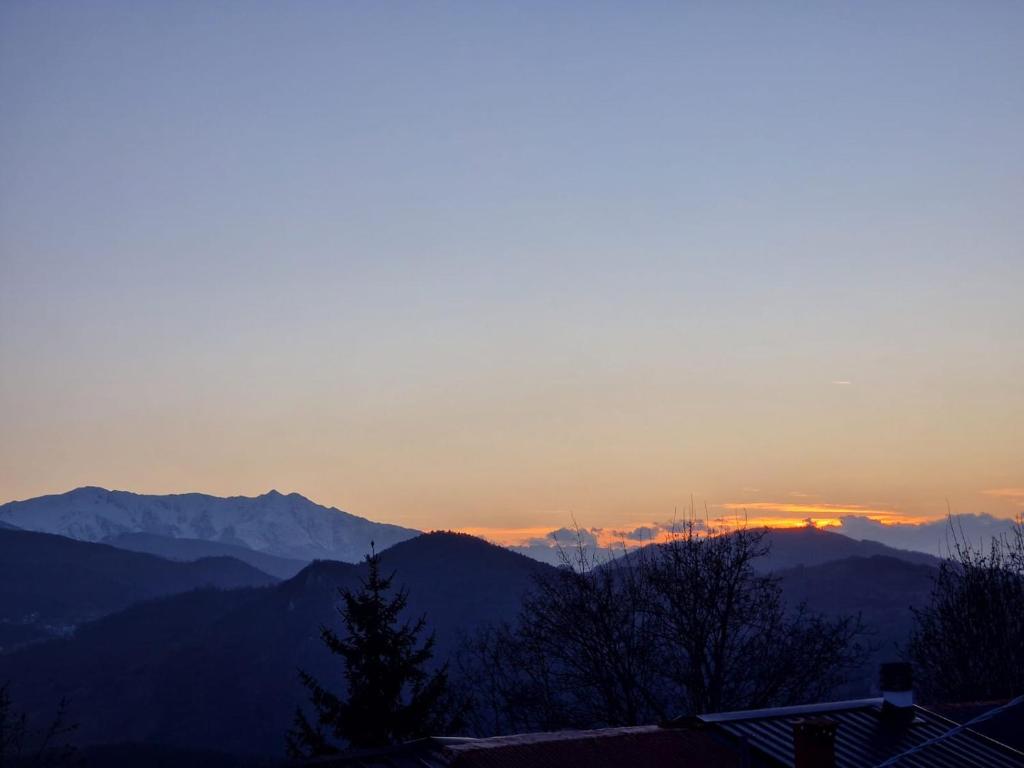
{"type": "Point", "coordinates": [390, 696]}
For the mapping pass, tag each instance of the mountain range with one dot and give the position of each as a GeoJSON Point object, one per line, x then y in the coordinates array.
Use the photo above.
{"type": "Point", "coordinates": [170, 628]}
{"type": "Point", "coordinates": [807, 546]}
{"type": "Point", "coordinates": [287, 526]}
{"type": "Point", "coordinates": [279, 534]}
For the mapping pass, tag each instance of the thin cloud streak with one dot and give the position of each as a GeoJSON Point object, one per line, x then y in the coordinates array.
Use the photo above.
{"type": "Point", "coordinates": [1014, 494]}
{"type": "Point", "coordinates": [789, 507]}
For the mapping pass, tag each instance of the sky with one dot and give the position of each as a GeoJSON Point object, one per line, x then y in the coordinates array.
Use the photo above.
{"type": "Point", "coordinates": [501, 266]}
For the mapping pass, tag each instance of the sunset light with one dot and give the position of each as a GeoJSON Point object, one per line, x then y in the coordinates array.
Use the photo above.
{"type": "Point", "coordinates": [478, 384]}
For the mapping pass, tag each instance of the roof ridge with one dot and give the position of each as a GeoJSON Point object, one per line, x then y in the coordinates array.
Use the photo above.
{"type": "Point", "coordinates": [798, 709]}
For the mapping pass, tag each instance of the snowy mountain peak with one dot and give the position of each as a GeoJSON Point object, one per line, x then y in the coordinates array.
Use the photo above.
{"type": "Point", "coordinates": [288, 526]}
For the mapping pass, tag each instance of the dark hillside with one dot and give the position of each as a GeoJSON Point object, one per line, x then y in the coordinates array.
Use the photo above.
{"type": "Point", "coordinates": [881, 589]}
{"type": "Point", "coordinates": [810, 546]}
{"type": "Point", "coordinates": [50, 584]}
{"type": "Point", "coordinates": [791, 547]}
{"type": "Point", "coordinates": [194, 549]}
{"type": "Point", "coordinates": [217, 670]}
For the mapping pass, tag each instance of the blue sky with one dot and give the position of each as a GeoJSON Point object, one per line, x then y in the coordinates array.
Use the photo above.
{"type": "Point", "coordinates": [487, 265]}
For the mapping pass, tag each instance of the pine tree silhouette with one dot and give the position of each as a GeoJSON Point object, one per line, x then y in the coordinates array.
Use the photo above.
{"type": "Point", "coordinates": [391, 697]}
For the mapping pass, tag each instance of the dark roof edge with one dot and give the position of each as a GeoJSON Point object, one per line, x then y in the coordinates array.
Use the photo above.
{"type": "Point", "coordinates": [799, 709]}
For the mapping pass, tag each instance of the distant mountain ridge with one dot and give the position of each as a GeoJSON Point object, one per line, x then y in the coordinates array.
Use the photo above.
{"type": "Point", "coordinates": [789, 548]}
{"type": "Point", "coordinates": [190, 550]}
{"type": "Point", "coordinates": [51, 584]}
{"type": "Point", "coordinates": [288, 526]}
{"type": "Point", "coordinates": [808, 546]}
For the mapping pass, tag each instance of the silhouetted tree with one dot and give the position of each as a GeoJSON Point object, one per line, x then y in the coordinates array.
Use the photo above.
{"type": "Point", "coordinates": [583, 652]}
{"type": "Point", "coordinates": [390, 697]}
{"type": "Point", "coordinates": [729, 641]}
{"type": "Point", "coordinates": [968, 642]}
{"type": "Point", "coordinates": [21, 746]}
{"type": "Point", "coordinates": [683, 627]}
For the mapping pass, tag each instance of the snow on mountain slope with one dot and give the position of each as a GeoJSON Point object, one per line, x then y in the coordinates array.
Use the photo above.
{"type": "Point", "coordinates": [287, 526]}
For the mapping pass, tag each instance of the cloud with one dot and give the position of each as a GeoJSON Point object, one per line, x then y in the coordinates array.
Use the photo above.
{"type": "Point", "coordinates": [651, 532]}
{"type": "Point", "coordinates": [568, 537]}
{"type": "Point", "coordinates": [932, 536]}
{"type": "Point", "coordinates": [604, 543]}
{"type": "Point", "coordinates": [854, 520]}
{"type": "Point", "coordinates": [798, 512]}
{"type": "Point", "coordinates": [1013, 494]}
{"type": "Point", "coordinates": [552, 545]}
{"type": "Point", "coordinates": [807, 510]}
{"type": "Point", "coordinates": [842, 382]}
{"type": "Point", "coordinates": [642, 533]}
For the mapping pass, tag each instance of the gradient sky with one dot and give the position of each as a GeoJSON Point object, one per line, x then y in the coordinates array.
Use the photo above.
{"type": "Point", "coordinates": [491, 265]}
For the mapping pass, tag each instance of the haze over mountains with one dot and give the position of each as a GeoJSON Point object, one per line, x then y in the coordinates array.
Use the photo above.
{"type": "Point", "coordinates": [186, 550]}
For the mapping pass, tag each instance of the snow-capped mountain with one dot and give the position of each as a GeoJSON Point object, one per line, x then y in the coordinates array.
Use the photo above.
{"type": "Point", "coordinates": [285, 525]}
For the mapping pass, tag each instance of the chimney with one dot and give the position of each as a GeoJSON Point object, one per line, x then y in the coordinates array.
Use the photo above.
{"type": "Point", "coordinates": [897, 683]}
{"type": "Point", "coordinates": [814, 742]}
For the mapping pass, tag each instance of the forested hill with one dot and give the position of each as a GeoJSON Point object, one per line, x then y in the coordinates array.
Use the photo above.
{"type": "Point", "coordinates": [50, 584]}
{"type": "Point", "coordinates": [217, 669]}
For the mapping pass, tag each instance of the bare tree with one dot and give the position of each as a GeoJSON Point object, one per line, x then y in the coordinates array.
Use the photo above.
{"type": "Point", "coordinates": [22, 746]}
{"type": "Point", "coordinates": [510, 685]}
{"type": "Point", "coordinates": [728, 639]}
{"type": "Point", "coordinates": [678, 628]}
{"type": "Point", "coordinates": [968, 642]}
{"type": "Point", "coordinates": [583, 652]}
{"type": "Point", "coordinates": [593, 623]}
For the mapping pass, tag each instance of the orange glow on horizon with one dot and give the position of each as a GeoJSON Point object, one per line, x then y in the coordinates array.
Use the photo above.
{"type": "Point", "coordinates": [833, 511]}
{"type": "Point", "coordinates": [508, 537]}
{"type": "Point", "coordinates": [614, 537]}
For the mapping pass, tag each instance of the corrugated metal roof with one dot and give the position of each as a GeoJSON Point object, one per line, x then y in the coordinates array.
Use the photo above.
{"type": "Point", "coordinates": [749, 738]}
{"type": "Point", "coordinates": [865, 739]}
{"type": "Point", "coordinates": [602, 748]}
{"type": "Point", "coordinates": [649, 746]}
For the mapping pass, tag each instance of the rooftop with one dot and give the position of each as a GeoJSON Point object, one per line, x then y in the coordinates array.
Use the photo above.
{"type": "Point", "coordinates": [865, 738]}
{"type": "Point", "coordinates": [760, 738]}
{"type": "Point", "coordinates": [602, 748]}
